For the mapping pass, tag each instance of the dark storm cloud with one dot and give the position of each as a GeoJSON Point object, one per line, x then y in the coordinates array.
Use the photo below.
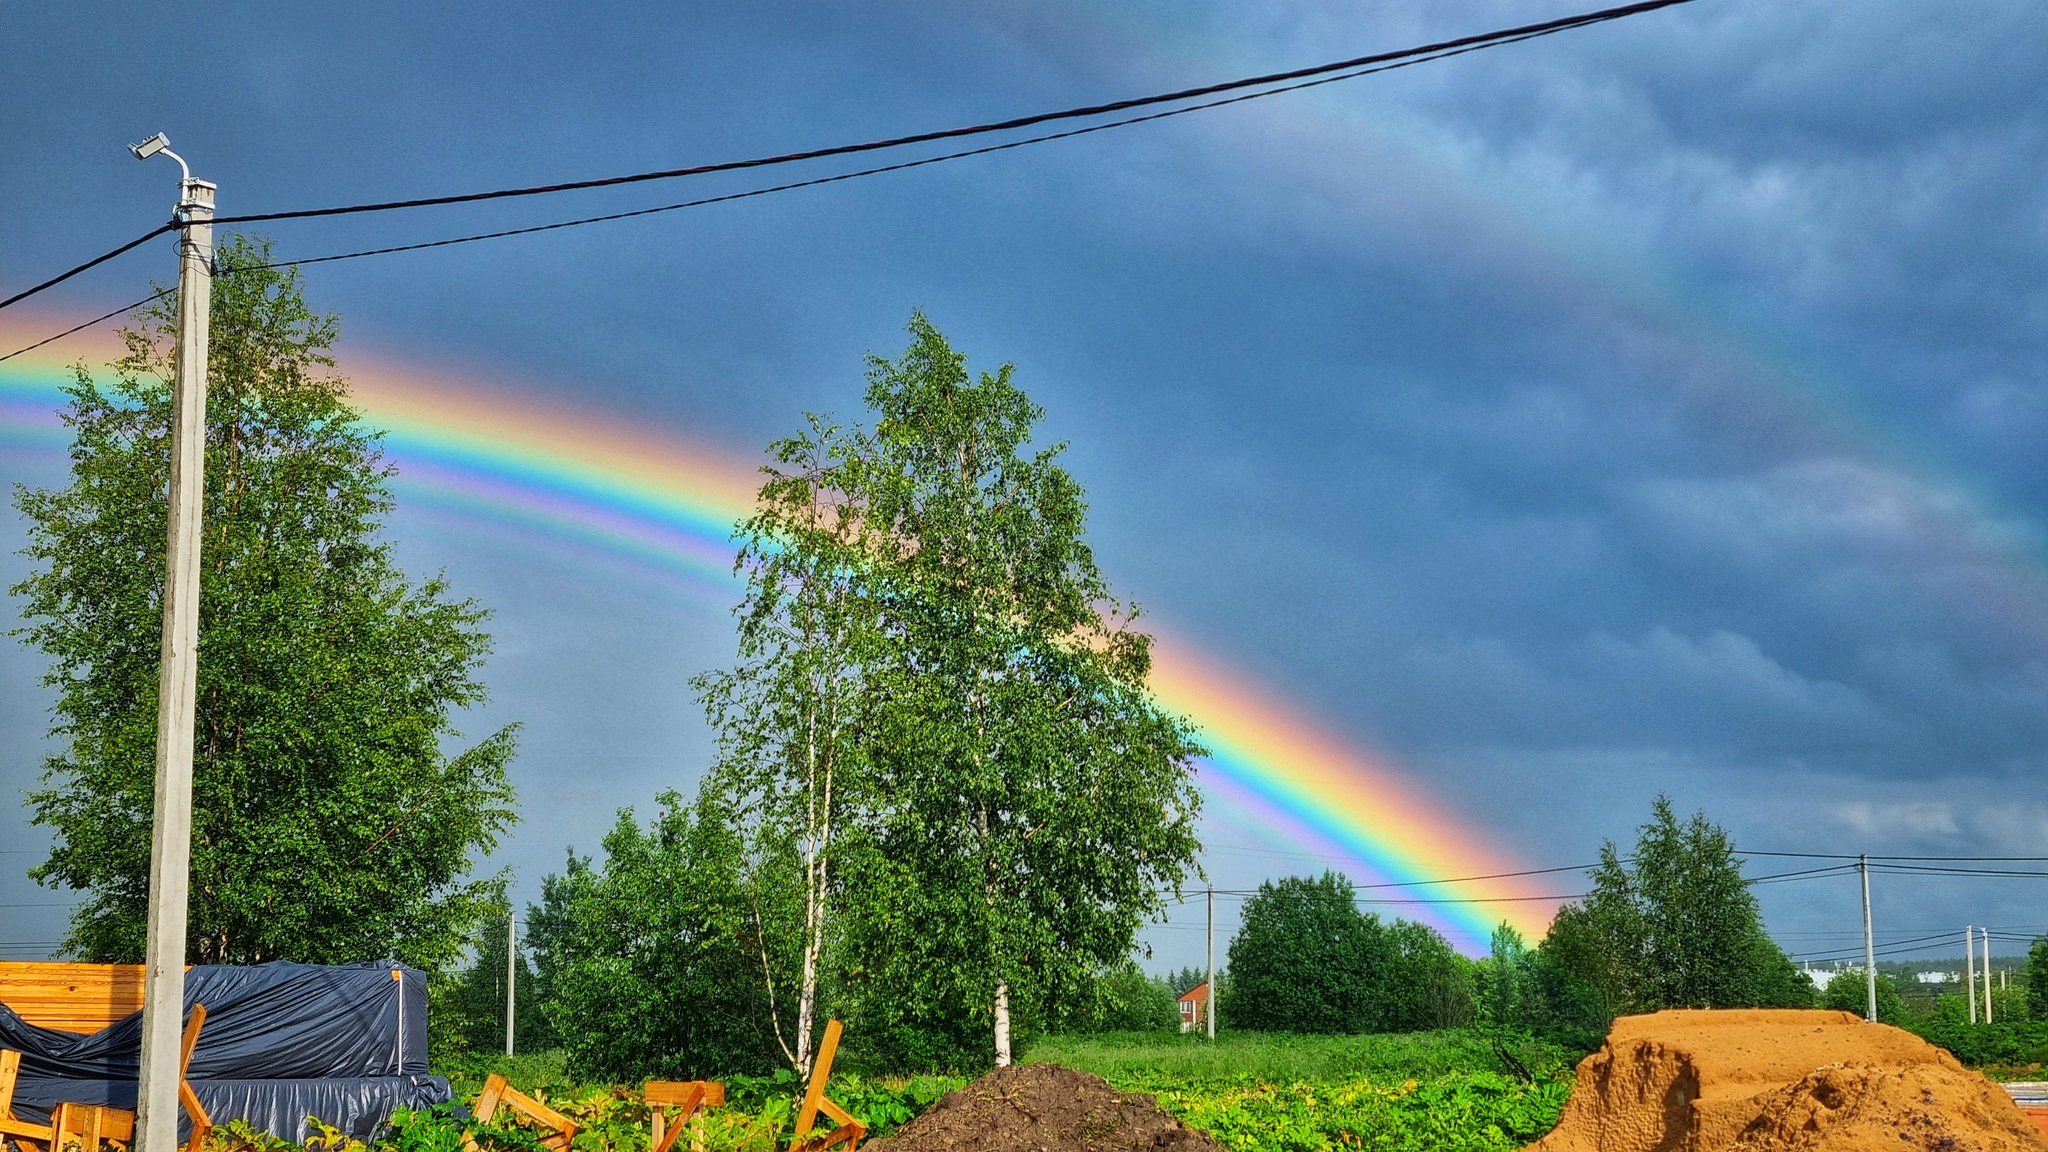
{"type": "Point", "coordinates": [1653, 408]}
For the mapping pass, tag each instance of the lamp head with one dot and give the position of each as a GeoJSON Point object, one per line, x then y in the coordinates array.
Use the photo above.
{"type": "Point", "coordinates": [150, 147]}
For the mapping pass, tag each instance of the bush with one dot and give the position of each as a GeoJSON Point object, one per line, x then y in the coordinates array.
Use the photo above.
{"type": "Point", "coordinates": [1849, 992]}
{"type": "Point", "coordinates": [1306, 960]}
{"type": "Point", "coordinates": [643, 959]}
{"type": "Point", "coordinates": [1127, 1000]}
{"type": "Point", "coordinates": [2007, 1041]}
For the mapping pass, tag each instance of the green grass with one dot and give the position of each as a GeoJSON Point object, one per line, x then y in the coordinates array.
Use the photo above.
{"type": "Point", "coordinates": [1281, 1058]}
{"type": "Point", "coordinates": [1447, 1091]}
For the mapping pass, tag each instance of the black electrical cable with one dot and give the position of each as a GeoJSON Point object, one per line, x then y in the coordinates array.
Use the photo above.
{"type": "Point", "coordinates": [1524, 32]}
{"type": "Point", "coordinates": [862, 172]}
{"type": "Point", "coordinates": [1856, 856]}
{"type": "Point", "coordinates": [1356, 66]}
{"type": "Point", "coordinates": [95, 262]}
{"type": "Point", "coordinates": [158, 295]}
{"type": "Point", "coordinates": [1924, 870]}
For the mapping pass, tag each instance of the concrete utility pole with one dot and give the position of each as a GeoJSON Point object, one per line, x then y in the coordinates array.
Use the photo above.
{"type": "Point", "coordinates": [170, 839]}
{"type": "Point", "coordinates": [1970, 967]}
{"type": "Point", "coordinates": [1984, 934]}
{"type": "Point", "coordinates": [1869, 950]}
{"type": "Point", "coordinates": [1209, 1009]}
{"type": "Point", "coordinates": [511, 972]}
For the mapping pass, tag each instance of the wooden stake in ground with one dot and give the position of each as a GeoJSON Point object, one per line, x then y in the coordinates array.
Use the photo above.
{"type": "Point", "coordinates": [850, 1130]}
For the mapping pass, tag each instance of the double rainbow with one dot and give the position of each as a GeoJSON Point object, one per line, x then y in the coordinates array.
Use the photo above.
{"type": "Point", "coordinates": [620, 494]}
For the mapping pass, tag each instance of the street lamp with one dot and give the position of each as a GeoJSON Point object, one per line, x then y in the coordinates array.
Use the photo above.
{"type": "Point", "coordinates": [170, 839]}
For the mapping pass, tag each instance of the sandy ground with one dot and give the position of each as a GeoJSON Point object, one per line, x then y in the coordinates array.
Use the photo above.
{"type": "Point", "coordinates": [1781, 1080]}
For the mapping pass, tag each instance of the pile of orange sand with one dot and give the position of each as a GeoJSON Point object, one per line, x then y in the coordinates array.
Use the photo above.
{"type": "Point", "coordinates": [1781, 1080]}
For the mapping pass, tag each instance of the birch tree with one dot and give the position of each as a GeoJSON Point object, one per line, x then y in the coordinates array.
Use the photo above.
{"type": "Point", "coordinates": [1036, 801]}
{"type": "Point", "coordinates": [790, 714]}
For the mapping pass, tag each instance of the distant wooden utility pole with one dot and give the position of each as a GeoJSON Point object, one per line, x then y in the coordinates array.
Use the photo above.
{"type": "Point", "coordinates": [170, 837]}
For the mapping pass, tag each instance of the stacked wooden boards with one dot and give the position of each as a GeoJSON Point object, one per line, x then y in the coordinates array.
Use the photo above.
{"type": "Point", "coordinates": [72, 997]}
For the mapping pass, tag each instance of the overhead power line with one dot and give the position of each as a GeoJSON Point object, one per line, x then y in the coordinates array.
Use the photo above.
{"type": "Point", "coordinates": [1874, 857]}
{"type": "Point", "coordinates": [1356, 66]}
{"type": "Point", "coordinates": [77, 328]}
{"type": "Point", "coordinates": [1484, 39]}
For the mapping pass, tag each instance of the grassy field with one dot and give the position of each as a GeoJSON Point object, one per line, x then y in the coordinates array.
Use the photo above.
{"type": "Point", "coordinates": [1449, 1091]}
{"type": "Point", "coordinates": [1280, 1058]}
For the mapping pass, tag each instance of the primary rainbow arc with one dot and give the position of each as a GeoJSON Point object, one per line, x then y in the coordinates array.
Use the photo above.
{"type": "Point", "coordinates": [617, 493]}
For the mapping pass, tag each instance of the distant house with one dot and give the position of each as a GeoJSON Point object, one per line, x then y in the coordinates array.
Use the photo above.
{"type": "Point", "coordinates": [1194, 1007]}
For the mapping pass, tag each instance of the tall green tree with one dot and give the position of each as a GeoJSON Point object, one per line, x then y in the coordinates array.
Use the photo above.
{"type": "Point", "coordinates": [1305, 960]}
{"type": "Point", "coordinates": [650, 961]}
{"type": "Point", "coordinates": [794, 714]}
{"type": "Point", "coordinates": [1674, 925]}
{"type": "Point", "coordinates": [1505, 984]}
{"type": "Point", "coordinates": [1429, 985]}
{"type": "Point", "coordinates": [1039, 800]}
{"type": "Point", "coordinates": [329, 823]}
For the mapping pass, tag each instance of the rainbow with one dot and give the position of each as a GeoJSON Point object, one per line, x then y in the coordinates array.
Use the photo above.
{"type": "Point", "coordinates": [621, 495]}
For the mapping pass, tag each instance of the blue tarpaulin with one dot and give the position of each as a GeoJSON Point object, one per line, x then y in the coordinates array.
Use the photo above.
{"type": "Point", "coordinates": [281, 1042]}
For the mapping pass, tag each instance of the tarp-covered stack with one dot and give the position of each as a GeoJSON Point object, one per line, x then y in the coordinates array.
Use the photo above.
{"type": "Point", "coordinates": [281, 1042]}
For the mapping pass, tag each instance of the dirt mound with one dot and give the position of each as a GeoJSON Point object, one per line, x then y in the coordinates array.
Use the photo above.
{"type": "Point", "coordinates": [1780, 1080]}
{"type": "Point", "coordinates": [1855, 1106]}
{"type": "Point", "coordinates": [1045, 1108]}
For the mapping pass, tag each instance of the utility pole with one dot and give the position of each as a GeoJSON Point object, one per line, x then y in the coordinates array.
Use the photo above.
{"type": "Point", "coordinates": [1985, 936]}
{"type": "Point", "coordinates": [1869, 949]}
{"type": "Point", "coordinates": [1209, 1009]}
{"type": "Point", "coordinates": [511, 973]}
{"type": "Point", "coordinates": [1970, 967]}
{"type": "Point", "coordinates": [170, 838]}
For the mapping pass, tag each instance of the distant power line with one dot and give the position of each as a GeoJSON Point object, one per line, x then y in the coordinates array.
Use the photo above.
{"type": "Point", "coordinates": [1272, 83]}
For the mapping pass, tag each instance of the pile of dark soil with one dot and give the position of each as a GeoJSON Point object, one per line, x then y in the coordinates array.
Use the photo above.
{"type": "Point", "coordinates": [1045, 1108]}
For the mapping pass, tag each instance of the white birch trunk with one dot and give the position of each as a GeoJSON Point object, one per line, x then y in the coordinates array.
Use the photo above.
{"type": "Point", "coordinates": [1002, 1024]}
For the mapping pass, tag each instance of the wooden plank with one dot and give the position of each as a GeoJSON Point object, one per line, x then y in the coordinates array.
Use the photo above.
{"type": "Point", "coordinates": [821, 1071]}
{"type": "Point", "coordinates": [667, 1128]}
{"type": "Point", "coordinates": [71, 997]}
{"type": "Point", "coordinates": [672, 1092]}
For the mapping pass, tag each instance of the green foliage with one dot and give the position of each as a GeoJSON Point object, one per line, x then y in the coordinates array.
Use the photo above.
{"type": "Point", "coordinates": [645, 960]}
{"type": "Point", "coordinates": [328, 823]}
{"type": "Point", "coordinates": [1429, 985]}
{"type": "Point", "coordinates": [756, 1117]}
{"type": "Point", "coordinates": [1284, 1093]}
{"type": "Point", "coordinates": [1188, 979]}
{"type": "Point", "coordinates": [2002, 1042]}
{"type": "Point", "coordinates": [1125, 1000]}
{"type": "Point", "coordinates": [1275, 1057]}
{"type": "Point", "coordinates": [1675, 926]}
{"type": "Point", "coordinates": [1481, 1112]}
{"type": "Point", "coordinates": [1038, 801]}
{"type": "Point", "coordinates": [1306, 960]}
{"type": "Point", "coordinates": [1847, 991]}
{"type": "Point", "coordinates": [791, 712]}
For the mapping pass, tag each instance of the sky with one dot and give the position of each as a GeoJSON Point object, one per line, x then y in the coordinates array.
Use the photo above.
{"type": "Point", "coordinates": [1649, 409]}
